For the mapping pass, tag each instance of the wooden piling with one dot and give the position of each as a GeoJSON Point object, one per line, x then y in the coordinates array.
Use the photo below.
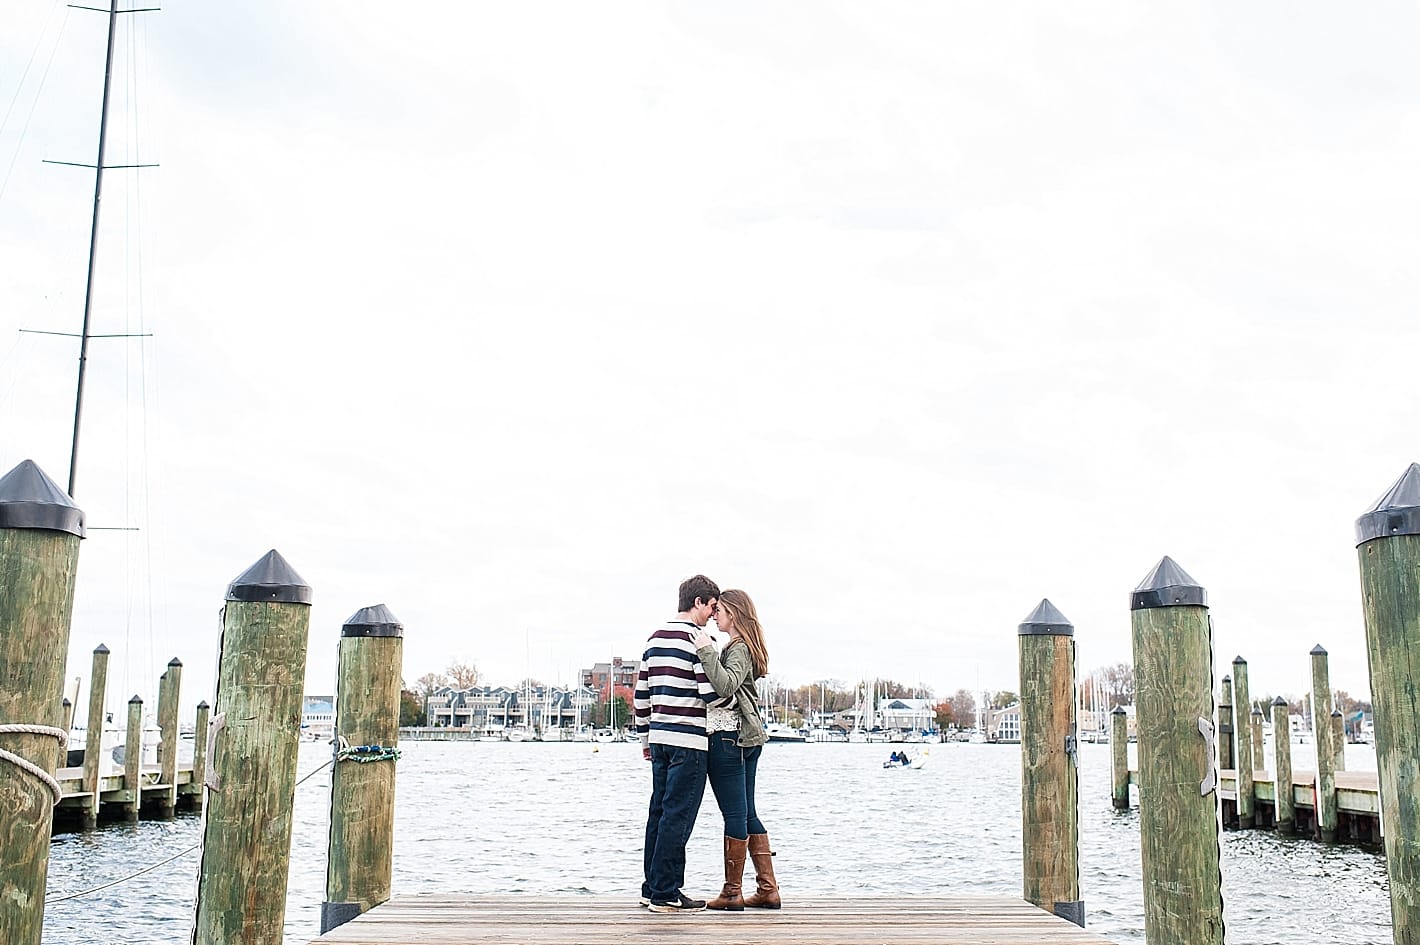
{"type": "Point", "coordinates": [94, 735]}
{"type": "Point", "coordinates": [1388, 546]}
{"type": "Point", "coordinates": [1049, 776]}
{"type": "Point", "coordinates": [1257, 742]}
{"type": "Point", "coordinates": [1325, 784]}
{"type": "Point", "coordinates": [132, 805]}
{"type": "Point", "coordinates": [360, 863]}
{"type": "Point", "coordinates": [1284, 819]}
{"type": "Point", "coordinates": [246, 844]}
{"type": "Point", "coordinates": [1225, 724]}
{"type": "Point", "coordinates": [66, 716]}
{"type": "Point", "coordinates": [1338, 740]}
{"type": "Point", "coordinates": [1245, 754]}
{"type": "Point", "coordinates": [40, 529]}
{"type": "Point", "coordinates": [199, 753]}
{"type": "Point", "coordinates": [1178, 777]}
{"type": "Point", "coordinates": [1119, 756]}
{"type": "Point", "coordinates": [169, 691]}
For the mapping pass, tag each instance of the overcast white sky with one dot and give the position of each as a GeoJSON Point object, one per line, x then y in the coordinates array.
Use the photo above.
{"type": "Point", "coordinates": [900, 317]}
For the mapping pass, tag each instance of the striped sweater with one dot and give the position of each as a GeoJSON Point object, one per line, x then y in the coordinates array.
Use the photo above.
{"type": "Point", "coordinates": [672, 690]}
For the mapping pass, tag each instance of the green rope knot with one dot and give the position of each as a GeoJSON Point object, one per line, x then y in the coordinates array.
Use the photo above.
{"type": "Point", "coordinates": [365, 754]}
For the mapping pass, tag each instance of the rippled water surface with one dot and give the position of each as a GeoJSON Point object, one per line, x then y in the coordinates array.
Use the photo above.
{"type": "Point", "coordinates": [562, 818]}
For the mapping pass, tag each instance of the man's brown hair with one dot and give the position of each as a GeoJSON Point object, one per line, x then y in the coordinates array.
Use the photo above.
{"type": "Point", "coordinates": [699, 586]}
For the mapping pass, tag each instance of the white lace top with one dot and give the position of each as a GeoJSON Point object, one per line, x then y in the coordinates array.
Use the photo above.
{"type": "Point", "coordinates": [719, 719]}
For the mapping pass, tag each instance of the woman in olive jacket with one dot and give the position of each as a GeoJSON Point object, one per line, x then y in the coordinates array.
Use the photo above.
{"type": "Point", "coordinates": [736, 736]}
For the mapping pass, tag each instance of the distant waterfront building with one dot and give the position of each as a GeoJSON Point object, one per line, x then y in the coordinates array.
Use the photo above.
{"type": "Point", "coordinates": [908, 715]}
{"type": "Point", "coordinates": [619, 672]}
{"type": "Point", "coordinates": [499, 708]}
{"type": "Point", "coordinates": [318, 716]}
{"type": "Point", "coordinates": [1004, 725]}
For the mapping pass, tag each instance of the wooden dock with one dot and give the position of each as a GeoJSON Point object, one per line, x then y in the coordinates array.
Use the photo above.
{"type": "Point", "coordinates": [587, 920]}
{"type": "Point", "coordinates": [114, 792]}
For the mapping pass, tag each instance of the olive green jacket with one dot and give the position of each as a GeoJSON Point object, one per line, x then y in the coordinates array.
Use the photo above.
{"type": "Point", "coordinates": [733, 672]}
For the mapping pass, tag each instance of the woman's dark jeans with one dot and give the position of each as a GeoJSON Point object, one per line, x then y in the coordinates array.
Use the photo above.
{"type": "Point", "coordinates": [732, 771]}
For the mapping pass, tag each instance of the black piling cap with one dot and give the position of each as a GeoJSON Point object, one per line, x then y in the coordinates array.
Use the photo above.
{"type": "Point", "coordinates": [66, 701]}
{"type": "Point", "coordinates": [1239, 661]}
{"type": "Point", "coordinates": [30, 499]}
{"type": "Point", "coordinates": [270, 579]}
{"type": "Point", "coordinates": [376, 621]}
{"type": "Point", "coordinates": [1318, 650]}
{"type": "Point", "coordinates": [1119, 710]}
{"type": "Point", "coordinates": [1168, 585]}
{"type": "Point", "coordinates": [136, 698]}
{"type": "Point", "coordinates": [100, 649]}
{"type": "Point", "coordinates": [1395, 513]}
{"type": "Point", "coordinates": [203, 705]}
{"type": "Point", "coordinates": [174, 662]}
{"type": "Point", "coordinates": [1336, 713]}
{"type": "Point", "coordinates": [1227, 679]}
{"type": "Point", "coordinates": [1046, 620]}
{"type": "Point", "coordinates": [1279, 701]}
{"type": "Point", "coordinates": [1257, 710]}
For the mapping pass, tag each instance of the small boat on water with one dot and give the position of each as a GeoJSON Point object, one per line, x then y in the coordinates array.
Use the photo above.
{"type": "Point", "coordinates": [779, 732]}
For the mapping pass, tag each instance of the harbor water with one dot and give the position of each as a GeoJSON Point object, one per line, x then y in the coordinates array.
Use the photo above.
{"type": "Point", "coordinates": [567, 818]}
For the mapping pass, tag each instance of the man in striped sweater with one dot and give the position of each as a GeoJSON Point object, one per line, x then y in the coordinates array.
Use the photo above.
{"type": "Point", "coordinates": [671, 695]}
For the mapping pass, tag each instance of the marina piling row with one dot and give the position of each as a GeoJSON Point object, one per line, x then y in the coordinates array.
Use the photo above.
{"type": "Point", "coordinates": [1284, 816]}
{"type": "Point", "coordinates": [1325, 797]}
{"type": "Point", "coordinates": [1247, 749]}
{"type": "Point", "coordinates": [93, 736]}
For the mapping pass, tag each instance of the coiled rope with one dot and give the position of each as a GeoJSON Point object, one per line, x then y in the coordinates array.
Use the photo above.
{"type": "Point", "coordinates": [30, 767]}
{"type": "Point", "coordinates": [364, 754]}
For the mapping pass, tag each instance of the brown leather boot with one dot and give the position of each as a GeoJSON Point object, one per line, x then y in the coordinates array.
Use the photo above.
{"type": "Point", "coordinates": [766, 896]}
{"type": "Point", "coordinates": [729, 898]}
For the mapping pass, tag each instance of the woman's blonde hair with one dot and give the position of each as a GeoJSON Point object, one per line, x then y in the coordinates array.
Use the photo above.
{"type": "Point", "coordinates": [746, 623]}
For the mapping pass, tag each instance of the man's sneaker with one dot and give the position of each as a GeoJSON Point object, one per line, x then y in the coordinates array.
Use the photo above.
{"type": "Point", "coordinates": [681, 903]}
{"type": "Point", "coordinates": [645, 901]}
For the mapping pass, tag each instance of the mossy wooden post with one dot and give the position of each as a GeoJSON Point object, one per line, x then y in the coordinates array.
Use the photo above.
{"type": "Point", "coordinates": [94, 735]}
{"type": "Point", "coordinates": [1388, 545]}
{"type": "Point", "coordinates": [199, 754]}
{"type": "Point", "coordinates": [1050, 835]}
{"type": "Point", "coordinates": [1338, 741]}
{"type": "Point", "coordinates": [1258, 756]}
{"type": "Point", "coordinates": [1325, 784]}
{"type": "Point", "coordinates": [1244, 754]}
{"type": "Point", "coordinates": [132, 806]}
{"type": "Point", "coordinates": [1178, 776]}
{"type": "Point", "coordinates": [40, 529]}
{"type": "Point", "coordinates": [1225, 724]}
{"type": "Point", "coordinates": [246, 840]}
{"type": "Point", "coordinates": [169, 690]}
{"type": "Point", "coordinates": [1119, 756]}
{"type": "Point", "coordinates": [360, 862]}
{"type": "Point", "coordinates": [1284, 818]}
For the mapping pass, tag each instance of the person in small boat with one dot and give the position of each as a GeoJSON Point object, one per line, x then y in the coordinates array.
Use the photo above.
{"type": "Point", "coordinates": [736, 740]}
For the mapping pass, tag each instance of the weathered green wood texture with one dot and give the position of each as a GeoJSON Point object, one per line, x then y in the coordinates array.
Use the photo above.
{"type": "Point", "coordinates": [1326, 811]}
{"type": "Point", "coordinates": [1245, 754]}
{"type": "Point", "coordinates": [1284, 806]}
{"type": "Point", "coordinates": [1390, 596]}
{"type": "Point", "coordinates": [133, 760]}
{"type": "Point", "coordinates": [199, 752]}
{"type": "Point", "coordinates": [94, 733]}
{"type": "Point", "coordinates": [37, 569]}
{"type": "Point", "coordinates": [362, 795]}
{"type": "Point", "coordinates": [1225, 724]}
{"type": "Point", "coordinates": [1049, 780]}
{"type": "Point", "coordinates": [1178, 823]}
{"type": "Point", "coordinates": [1119, 758]}
{"type": "Point", "coordinates": [169, 692]}
{"type": "Point", "coordinates": [241, 891]}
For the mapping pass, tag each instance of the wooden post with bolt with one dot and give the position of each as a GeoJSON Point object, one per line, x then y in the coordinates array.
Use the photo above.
{"type": "Point", "coordinates": [1050, 835]}
{"type": "Point", "coordinates": [1178, 777]}
{"type": "Point", "coordinates": [199, 754]}
{"type": "Point", "coordinates": [360, 864]}
{"type": "Point", "coordinates": [169, 690]}
{"type": "Point", "coordinates": [1388, 546]}
{"type": "Point", "coordinates": [1324, 789]}
{"type": "Point", "coordinates": [94, 735]}
{"type": "Point", "coordinates": [132, 806]}
{"type": "Point", "coordinates": [246, 840]}
{"type": "Point", "coordinates": [40, 530]}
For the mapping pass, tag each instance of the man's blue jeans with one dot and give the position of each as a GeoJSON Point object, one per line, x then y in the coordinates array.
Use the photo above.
{"type": "Point", "coordinates": [732, 771]}
{"type": "Point", "coordinates": [677, 786]}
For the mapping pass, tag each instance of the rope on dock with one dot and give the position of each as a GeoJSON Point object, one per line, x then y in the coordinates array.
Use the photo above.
{"type": "Point", "coordinates": [175, 856]}
{"type": "Point", "coordinates": [28, 766]}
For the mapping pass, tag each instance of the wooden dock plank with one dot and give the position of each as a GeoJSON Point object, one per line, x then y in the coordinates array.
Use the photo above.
{"type": "Point", "coordinates": [586, 920]}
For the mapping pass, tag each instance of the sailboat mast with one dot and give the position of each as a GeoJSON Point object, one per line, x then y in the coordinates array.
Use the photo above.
{"type": "Point", "coordinates": [93, 246]}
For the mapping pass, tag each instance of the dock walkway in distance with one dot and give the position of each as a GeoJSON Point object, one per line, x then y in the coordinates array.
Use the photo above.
{"type": "Point", "coordinates": [600, 920]}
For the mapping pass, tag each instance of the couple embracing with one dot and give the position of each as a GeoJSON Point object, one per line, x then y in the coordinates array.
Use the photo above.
{"type": "Point", "coordinates": [697, 715]}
